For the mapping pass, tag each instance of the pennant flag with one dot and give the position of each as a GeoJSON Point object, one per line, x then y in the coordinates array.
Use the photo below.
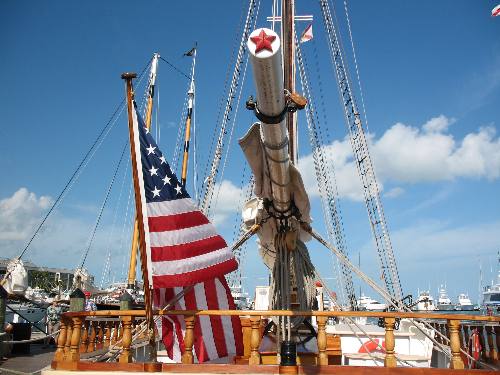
{"type": "Point", "coordinates": [307, 35]}
{"type": "Point", "coordinates": [191, 52]}
{"type": "Point", "coordinates": [183, 249]}
{"type": "Point", "coordinates": [495, 11]}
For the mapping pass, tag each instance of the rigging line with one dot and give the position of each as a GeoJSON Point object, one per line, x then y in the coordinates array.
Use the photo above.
{"type": "Point", "coordinates": [356, 64]}
{"type": "Point", "coordinates": [221, 102]}
{"type": "Point", "coordinates": [126, 223]}
{"type": "Point", "coordinates": [104, 205]}
{"type": "Point", "coordinates": [107, 268]}
{"type": "Point", "coordinates": [175, 68]}
{"type": "Point", "coordinates": [76, 173]}
{"type": "Point", "coordinates": [242, 80]}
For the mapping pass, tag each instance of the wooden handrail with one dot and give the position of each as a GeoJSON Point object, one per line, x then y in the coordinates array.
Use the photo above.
{"type": "Point", "coordinates": [265, 313]}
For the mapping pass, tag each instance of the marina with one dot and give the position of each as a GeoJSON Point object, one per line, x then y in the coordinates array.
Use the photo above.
{"type": "Point", "coordinates": [233, 253]}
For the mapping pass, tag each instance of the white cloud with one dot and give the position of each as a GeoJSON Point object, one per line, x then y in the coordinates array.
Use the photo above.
{"type": "Point", "coordinates": [394, 192]}
{"type": "Point", "coordinates": [407, 154]}
{"type": "Point", "coordinates": [20, 213]}
{"type": "Point", "coordinates": [229, 201]}
{"type": "Point", "coordinates": [438, 124]}
{"type": "Point", "coordinates": [63, 239]}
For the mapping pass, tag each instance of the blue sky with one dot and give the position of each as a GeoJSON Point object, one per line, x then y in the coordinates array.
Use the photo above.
{"type": "Point", "coordinates": [430, 74]}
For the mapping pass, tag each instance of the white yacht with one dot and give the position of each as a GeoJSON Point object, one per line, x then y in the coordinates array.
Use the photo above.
{"type": "Point", "coordinates": [444, 302]}
{"type": "Point", "coordinates": [464, 303]}
{"type": "Point", "coordinates": [491, 294]}
{"type": "Point", "coordinates": [425, 302]}
{"type": "Point", "coordinates": [369, 304]}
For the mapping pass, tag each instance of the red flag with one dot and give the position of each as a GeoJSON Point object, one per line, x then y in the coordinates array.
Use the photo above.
{"type": "Point", "coordinates": [307, 35]}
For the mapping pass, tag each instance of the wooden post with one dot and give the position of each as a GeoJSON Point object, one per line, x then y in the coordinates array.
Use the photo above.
{"type": "Point", "coordinates": [139, 214]}
{"type": "Point", "coordinates": [493, 345]}
{"type": "Point", "coordinates": [456, 360]}
{"type": "Point", "coordinates": [74, 354]}
{"type": "Point", "coordinates": [133, 256]}
{"type": "Point", "coordinates": [107, 334]}
{"type": "Point", "coordinates": [322, 355]}
{"type": "Point", "coordinates": [246, 330]}
{"type": "Point", "coordinates": [85, 337]}
{"type": "Point", "coordinates": [114, 338]}
{"type": "Point", "coordinates": [100, 335]}
{"type": "Point", "coordinates": [390, 343]}
{"type": "Point", "coordinates": [187, 357]}
{"type": "Point", "coordinates": [93, 334]}
{"type": "Point", "coordinates": [255, 341]}
{"type": "Point", "coordinates": [67, 344]}
{"type": "Point", "coordinates": [61, 341]}
{"type": "Point", "coordinates": [126, 356]}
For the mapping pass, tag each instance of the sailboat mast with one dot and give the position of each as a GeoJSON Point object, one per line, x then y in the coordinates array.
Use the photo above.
{"type": "Point", "coordinates": [149, 110]}
{"type": "Point", "coordinates": [138, 207]}
{"type": "Point", "coordinates": [187, 134]}
{"type": "Point", "coordinates": [288, 40]}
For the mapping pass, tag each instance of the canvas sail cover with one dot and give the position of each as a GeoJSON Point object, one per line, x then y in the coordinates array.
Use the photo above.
{"type": "Point", "coordinates": [183, 249]}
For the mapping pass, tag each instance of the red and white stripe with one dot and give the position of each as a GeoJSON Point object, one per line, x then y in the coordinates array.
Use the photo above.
{"type": "Point", "coordinates": [307, 35]}
{"type": "Point", "coordinates": [495, 11]}
{"type": "Point", "coordinates": [215, 336]}
{"type": "Point", "coordinates": [184, 246]}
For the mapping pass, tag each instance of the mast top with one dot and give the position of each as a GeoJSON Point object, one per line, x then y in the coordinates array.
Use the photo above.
{"type": "Point", "coordinates": [129, 75]}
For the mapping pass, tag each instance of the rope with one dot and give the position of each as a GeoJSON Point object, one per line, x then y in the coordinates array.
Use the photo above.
{"type": "Point", "coordinates": [86, 158]}
{"type": "Point", "coordinates": [98, 220]}
{"type": "Point", "coordinates": [30, 340]}
{"type": "Point", "coordinates": [211, 176]}
{"type": "Point", "coordinates": [326, 183]}
{"type": "Point", "coordinates": [356, 64]}
{"type": "Point", "coordinates": [175, 68]}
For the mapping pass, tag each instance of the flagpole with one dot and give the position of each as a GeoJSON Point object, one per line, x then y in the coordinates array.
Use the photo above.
{"type": "Point", "coordinates": [188, 123]}
{"type": "Point", "coordinates": [135, 236]}
{"type": "Point", "coordinates": [139, 217]}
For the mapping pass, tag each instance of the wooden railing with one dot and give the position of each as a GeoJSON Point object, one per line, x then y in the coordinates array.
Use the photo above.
{"type": "Point", "coordinates": [84, 332]}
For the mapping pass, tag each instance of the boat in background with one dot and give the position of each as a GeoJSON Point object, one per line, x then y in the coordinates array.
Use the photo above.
{"type": "Point", "coordinates": [444, 302]}
{"type": "Point", "coordinates": [425, 302]}
{"type": "Point", "coordinates": [370, 304]}
{"type": "Point", "coordinates": [491, 294]}
{"type": "Point", "coordinates": [464, 303]}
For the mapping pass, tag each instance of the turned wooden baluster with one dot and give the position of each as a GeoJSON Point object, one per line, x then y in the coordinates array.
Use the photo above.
{"type": "Point", "coordinates": [69, 333]}
{"type": "Point", "coordinates": [255, 341]}
{"type": "Point", "coordinates": [107, 334]}
{"type": "Point", "coordinates": [100, 335]}
{"type": "Point", "coordinates": [74, 354]}
{"type": "Point", "coordinates": [390, 343]}
{"type": "Point", "coordinates": [93, 334]}
{"type": "Point", "coordinates": [85, 337]}
{"type": "Point", "coordinates": [61, 341]}
{"type": "Point", "coordinates": [493, 346]}
{"type": "Point", "coordinates": [454, 329]}
{"type": "Point", "coordinates": [126, 356]}
{"type": "Point", "coordinates": [114, 337]}
{"type": "Point", "coordinates": [322, 355]}
{"type": "Point", "coordinates": [187, 357]}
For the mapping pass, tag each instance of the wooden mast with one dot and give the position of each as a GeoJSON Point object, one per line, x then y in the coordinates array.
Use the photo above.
{"type": "Point", "coordinates": [288, 40]}
{"type": "Point", "coordinates": [135, 236]}
{"type": "Point", "coordinates": [138, 209]}
{"type": "Point", "coordinates": [187, 135]}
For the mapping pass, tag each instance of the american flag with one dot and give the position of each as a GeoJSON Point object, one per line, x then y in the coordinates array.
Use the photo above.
{"type": "Point", "coordinates": [183, 249]}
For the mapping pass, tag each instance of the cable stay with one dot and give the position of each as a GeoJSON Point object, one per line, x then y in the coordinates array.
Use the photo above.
{"type": "Point", "coordinates": [234, 91]}
{"type": "Point", "coordinates": [327, 186]}
{"type": "Point", "coordinates": [389, 272]}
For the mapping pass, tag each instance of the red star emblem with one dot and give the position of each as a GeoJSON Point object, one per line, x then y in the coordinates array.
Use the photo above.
{"type": "Point", "coordinates": [263, 41]}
